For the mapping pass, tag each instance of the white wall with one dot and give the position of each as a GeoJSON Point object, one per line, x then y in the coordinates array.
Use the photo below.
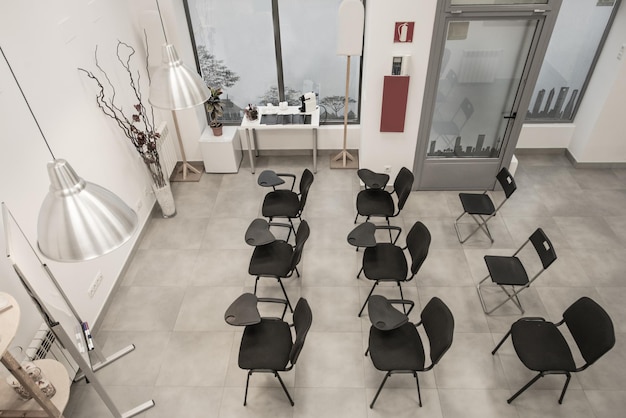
{"type": "Point", "coordinates": [386, 148]}
{"type": "Point", "coordinates": [45, 54]}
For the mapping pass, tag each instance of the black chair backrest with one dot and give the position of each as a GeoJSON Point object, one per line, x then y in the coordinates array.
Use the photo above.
{"type": "Point", "coordinates": [438, 323]}
{"type": "Point", "coordinates": [418, 242]}
{"type": "Point", "coordinates": [302, 319]}
{"type": "Point", "coordinates": [544, 247]}
{"type": "Point", "coordinates": [402, 186]}
{"type": "Point", "coordinates": [591, 328]}
{"type": "Point", "coordinates": [305, 184]}
{"type": "Point", "coordinates": [507, 182]}
{"type": "Point", "coordinates": [301, 236]}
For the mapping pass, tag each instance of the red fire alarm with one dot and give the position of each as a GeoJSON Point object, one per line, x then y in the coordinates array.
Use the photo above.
{"type": "Point", "coordinates": [403, 32]}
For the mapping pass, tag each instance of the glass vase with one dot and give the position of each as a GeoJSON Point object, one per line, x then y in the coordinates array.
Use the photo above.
{"type": "Point", "coordinates": [165, 198]}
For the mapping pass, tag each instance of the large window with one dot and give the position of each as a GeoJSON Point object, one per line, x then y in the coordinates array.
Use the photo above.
{"type": "Point", "coordinates": [576, 42]}
{"type": "Point", "coordinates": [239, 50]}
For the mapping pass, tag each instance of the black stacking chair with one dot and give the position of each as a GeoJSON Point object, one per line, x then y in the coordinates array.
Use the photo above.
{"type": "Point", "coordinates": [285, 203]}
{"type": "Point", "coordinates": [480, 206]}
{"type": "Point", "coordinates": [267, 347]}
{"type": "Point", "coordinates": [385, 262]}
{"type": "Point", "coordinates": [379, 202]}
{"type": "Point", "coordinates": [400, 350]}
{"type": "Point", "coordinates": [510, 271]}
{"type": "Point", "coordinates": [279, 259]}
{"type": "Point", "coordinates": [540, 345]}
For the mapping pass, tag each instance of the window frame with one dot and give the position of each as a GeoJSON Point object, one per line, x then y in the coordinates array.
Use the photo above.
{"type": "Point", "coordinates": [279, 63]}
{"type": "Point", "coordinates": [583, 88]}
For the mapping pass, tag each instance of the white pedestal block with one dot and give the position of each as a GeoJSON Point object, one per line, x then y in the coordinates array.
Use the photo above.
{"type": "Point", "coordinates": [221, 154]}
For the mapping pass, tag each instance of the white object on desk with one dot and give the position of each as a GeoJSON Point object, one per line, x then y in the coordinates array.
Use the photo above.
{"type": "Point", "coordinates": [254, 125]}
{"type": "Point", "coordinates": [221, 154]}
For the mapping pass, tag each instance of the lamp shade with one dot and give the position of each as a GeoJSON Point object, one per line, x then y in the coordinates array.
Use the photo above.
{"type": "Point", "coordinates": [350, 22]}
{"type": "Point", "coordinates": [79, 220]}
{"type": "Point", "coordinates": [174, 86]}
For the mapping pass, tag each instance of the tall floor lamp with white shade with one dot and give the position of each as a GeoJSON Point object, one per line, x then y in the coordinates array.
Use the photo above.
{"type": "Point", "coordinates": [78, 221]}
{"type": "Point", "coordinates": [350, 21]}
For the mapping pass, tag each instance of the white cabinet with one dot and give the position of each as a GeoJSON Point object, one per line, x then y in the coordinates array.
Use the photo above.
{"type": "Point", "coordinates": [221, 154]}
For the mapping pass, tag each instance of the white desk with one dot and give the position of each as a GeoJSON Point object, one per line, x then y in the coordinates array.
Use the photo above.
{"type": "Point", "coordinates": [253, 125]}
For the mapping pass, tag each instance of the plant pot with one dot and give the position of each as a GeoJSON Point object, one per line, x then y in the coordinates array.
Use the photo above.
{"type": "Point", "coordinates": [165, 198]}
{"type": "Point", "coordinates": [217, 130]}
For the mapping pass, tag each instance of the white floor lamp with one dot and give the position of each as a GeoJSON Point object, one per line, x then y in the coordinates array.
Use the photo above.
{"type": "Point", "coordinates": [350, 23]}
{"type": "Point", "coordinates": [174, 87]}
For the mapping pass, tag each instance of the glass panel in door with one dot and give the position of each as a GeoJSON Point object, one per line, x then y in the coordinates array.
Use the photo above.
{"type": "Point", "coordinates": [481, 70]}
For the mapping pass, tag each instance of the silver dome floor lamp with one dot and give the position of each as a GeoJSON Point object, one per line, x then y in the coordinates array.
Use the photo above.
{"type": "Point", "coordinates": [78, 221]}
{"type": "Point", "coordinates": [174, 87]}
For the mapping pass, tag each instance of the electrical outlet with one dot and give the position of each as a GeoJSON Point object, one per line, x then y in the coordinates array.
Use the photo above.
{"type": "Point", "coordinates": [95, 284]}
{"type": "Point", "coordinates": [620, 54]}
{"type": "Point", "coordinates": [387, 169]}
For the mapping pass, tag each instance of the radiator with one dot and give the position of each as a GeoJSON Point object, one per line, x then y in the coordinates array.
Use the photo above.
{"type": "Point", "coordinates": [44, 346]}
{"type": "Point", "coordinates": [479, 66]}
{"type": "Point", "coordinates": [167, 150]}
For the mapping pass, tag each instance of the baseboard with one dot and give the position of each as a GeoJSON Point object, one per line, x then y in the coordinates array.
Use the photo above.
{"type": "Point", "coordinates": [539, 151]}
{"type": "Point", "coordinates": [577, 164]}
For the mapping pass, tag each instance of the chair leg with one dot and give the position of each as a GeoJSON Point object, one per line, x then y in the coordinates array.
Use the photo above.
{"type": "Point", "coordinates": [291, 228]}
{"type": "Point", "coordinates": [284, 388]}
{"type": "Point", "coordinates": [368, 298]}
{"type": "Point", "coordinates": [245, 396]}
{"type": "Point", "coordinates": [367, 351]}
{"type": "Point", "coordinates": [402, 297]}
{"type": "Point", "coordinates": [569, 376]}
{"type": "Point", "coordinates": [526, 386]}
{"type": "Point", "coordinates": [285, 293]}
{"type": "Point", "coordinates": [500, 343]}
{"type": "Point", "coordinates": [510, 296]}
{"type": "Point", "coordinates": [256, 281]}
{"type": "Point", "coordinates": [419, 394]}
{"type": "Point", "coordinates": [356, 217]}
{"type": "Point", "coordinates": [379, 389]}
{"type": "Point", "coordinates": [360, 271]}
{"type": "Point", "coordinates": [481, 226]}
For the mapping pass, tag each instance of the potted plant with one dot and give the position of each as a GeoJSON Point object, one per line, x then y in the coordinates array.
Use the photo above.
{"type": "Point", "coordinates": [137, 125]}
{"type": "Point", "coordinates": [215, 110]}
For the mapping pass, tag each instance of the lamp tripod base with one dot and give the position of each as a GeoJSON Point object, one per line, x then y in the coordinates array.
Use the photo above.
{"type": "Point", "coordinates": [344, 159]}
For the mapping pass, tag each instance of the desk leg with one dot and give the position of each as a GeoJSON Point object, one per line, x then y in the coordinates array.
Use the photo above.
{"type": "Point", "coordinates": [256, 143]}
{"type": "Point", "coordinates": [250, 151]}
{"type": "Point", "coordinates": [315, 150]}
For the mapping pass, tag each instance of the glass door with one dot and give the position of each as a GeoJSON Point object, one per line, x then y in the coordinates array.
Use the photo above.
{"type": "Point", "coordinates": [480, 81]}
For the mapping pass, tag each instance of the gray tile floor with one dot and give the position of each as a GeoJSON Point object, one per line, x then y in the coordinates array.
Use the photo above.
{"type": "Point", "coordinates": [188, 269]}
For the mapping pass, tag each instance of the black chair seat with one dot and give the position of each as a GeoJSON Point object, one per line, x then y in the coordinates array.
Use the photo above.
{"type": "Point", "coordinates": [385, 261]}
{"type": "Point", "coordinates": [273, 259]}
{"type": "Point", "coordinates": [541, 346]}
{"type": "Point", "coordinates": [375, 202]}
{"type": "Point", "coordinates": [266, 345]}
{"type": "Point", "coordinates": [398, 349]}
{"type": "Point", "coordinates": [281, 203]}
{"type": "Point", "coordinates": [506, 270]}
{"type": "Point", "coordinates": [477, 204]}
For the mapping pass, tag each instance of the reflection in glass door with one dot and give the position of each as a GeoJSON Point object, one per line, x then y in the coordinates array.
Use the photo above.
{"type": "Point", "coordinates": [484, 63]}
{"type": "Point", "coordinates": [481, 71]}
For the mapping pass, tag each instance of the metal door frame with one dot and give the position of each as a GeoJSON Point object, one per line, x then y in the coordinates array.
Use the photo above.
{"type": "Point", "coordinates": [546, 15]}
